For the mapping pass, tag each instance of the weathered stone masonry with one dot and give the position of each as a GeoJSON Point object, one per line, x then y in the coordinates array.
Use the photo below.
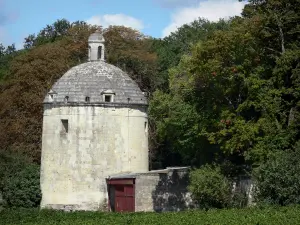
{"type": "Point", "coordinates": [160, 190]}
{"type": "Point", "coordinates": [95, 125]}
{"type": "Point", "coordinates": [163, 190]}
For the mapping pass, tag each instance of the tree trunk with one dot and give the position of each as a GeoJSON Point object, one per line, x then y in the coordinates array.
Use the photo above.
{"type": "Point", "coordinates": [279, 24]}
{"type": "Point", "coordinates": [291, 116]}
{"type": "Point", "coordinates": [282, 40]}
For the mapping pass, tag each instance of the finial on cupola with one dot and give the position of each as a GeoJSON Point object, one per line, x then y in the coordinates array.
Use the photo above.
{"type": "Point", "coordinates": [96, 46]}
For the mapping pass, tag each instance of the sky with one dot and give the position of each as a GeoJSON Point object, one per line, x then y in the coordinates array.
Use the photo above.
{"type": "Point", "coordinates": [157, 18]}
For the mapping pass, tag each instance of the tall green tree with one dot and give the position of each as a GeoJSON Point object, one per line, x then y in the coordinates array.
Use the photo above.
{"type": "Point", "coordinates": [242, 85]}
{"type": "Point", "coordinates": [171, 48]}
{"type": "Point", "coordinates": [6, 56]}
{"type": "Point", "coordinates": [176, 122]}
{"type": "Point", "coordinates": [130, 50]}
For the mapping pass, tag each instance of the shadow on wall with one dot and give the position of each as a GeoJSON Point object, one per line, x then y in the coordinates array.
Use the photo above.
{"type": "Point", "coordinates": [171, 193]}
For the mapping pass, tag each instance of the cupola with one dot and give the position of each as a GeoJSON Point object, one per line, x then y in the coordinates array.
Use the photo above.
{"type": "Point", "coordinates": [96, 46]}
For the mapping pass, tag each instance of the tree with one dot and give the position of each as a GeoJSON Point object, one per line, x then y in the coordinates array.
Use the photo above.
{"type": "Point", "coordinates": [277, 180]}
{"type": "Point", "coordinates": [6, 56]}
{"type": "Point", "coordinates": [29, 41]}
{"type": "Point", "coordinates": [2, 50]}
{"type": "Point", "coordinates": [276, 23]}
{"type": "Point", "coordinates": [131, 51]}
{"type": "Point", "coordinates": [50, 33]}
{"type": "Point", "coordinates": [176, 123]}
{"type": "Point", "coordinates": [171, 48]}
{"type": "Point", "coordinates": [10, 49]}
{"type": "Point", "coordinates": [34, 72]}
{"type": "Point", "coordinates": [243, 94]}
{"type": "Point", "coordinates": [209, 187]}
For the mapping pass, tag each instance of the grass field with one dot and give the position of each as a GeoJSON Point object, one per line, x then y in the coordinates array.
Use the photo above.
{"type": "Point", "coordinates": [257, 216]}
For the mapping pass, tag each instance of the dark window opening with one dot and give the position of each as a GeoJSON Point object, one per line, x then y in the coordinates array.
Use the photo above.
{"type": "Point", "coordinates": [107, 98]}
{"type": "Point", "coordinates": [65, 126]}
{"type": "Point", "coordinates": [99, 52]}
{"type": "Point", "coordinates": [87, 99]}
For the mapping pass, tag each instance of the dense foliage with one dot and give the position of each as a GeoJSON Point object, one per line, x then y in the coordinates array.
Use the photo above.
{"type": "Point", "coordinates": [22, 189]}
{"type": "Point", "coordinates": [20, 181]}
{"type": "Point", "coordinates": [251, 216]}
{"type": "Point", "coordinates": [235, 94]}
{"type": "Point", "coordinates": [210, 188]}
{"type": "Point", "coordinates": [278, 180]}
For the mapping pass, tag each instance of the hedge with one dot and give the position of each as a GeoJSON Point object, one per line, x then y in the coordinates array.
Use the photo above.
{"type": "Point", "coordinates": [275, 215]}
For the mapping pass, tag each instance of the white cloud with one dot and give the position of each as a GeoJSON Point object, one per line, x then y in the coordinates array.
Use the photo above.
{"type": "Point", "coordinates": [212, 10]}
{"type": "Point", "coordinates": [116, 19]}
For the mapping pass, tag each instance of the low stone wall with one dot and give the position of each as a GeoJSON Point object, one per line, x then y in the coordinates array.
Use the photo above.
{"type": "Point", "coordinates": [164, 190]}
{"type": "Point", "coordinates": [244, 185]}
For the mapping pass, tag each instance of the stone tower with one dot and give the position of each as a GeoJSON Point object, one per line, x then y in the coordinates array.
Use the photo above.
{"type": "Point", "coordinates": [94, 126]}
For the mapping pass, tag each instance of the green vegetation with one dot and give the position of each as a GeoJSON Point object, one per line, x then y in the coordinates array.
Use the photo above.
{"type": "Point", "coordinates": [267, 216]}
{"type": "Point", "coordinates": [22, 189]}
{"type": "Point", "coordinates": [235, 93]}
{"type": "Point", "coordinates": [210, 187]}
{"type": "Point", "coordinates": [20, 181]}
{"type": "Point", "coordinates": [278, 180]}
{"type": "Point", "coordinates": [223, 93]}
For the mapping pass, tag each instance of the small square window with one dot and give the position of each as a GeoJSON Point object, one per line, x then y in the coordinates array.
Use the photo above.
{"type": "Point", "coordinates": [107, 98]}
{"type": "Point", "coordinates": [65, 126]}
{"type": "Point", "coordinates": [87, 99]}
{"type": "Point", "coordinates": [108, 95]}
{"type": "Point", "coordinates": [66, 100]}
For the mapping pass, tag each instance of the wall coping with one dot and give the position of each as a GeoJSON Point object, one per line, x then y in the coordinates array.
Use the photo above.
{"type": "Point", "coordinates": [148, 173]}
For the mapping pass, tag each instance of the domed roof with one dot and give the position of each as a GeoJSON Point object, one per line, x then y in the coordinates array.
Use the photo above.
{"type": "Point", "coordinates": [96, 37]}
{"type": "Point", "coordinates": [91, 82]}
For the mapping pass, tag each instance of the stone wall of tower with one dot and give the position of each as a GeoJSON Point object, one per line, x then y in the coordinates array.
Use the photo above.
{"type": "Point", "coordinates": [97, 142]}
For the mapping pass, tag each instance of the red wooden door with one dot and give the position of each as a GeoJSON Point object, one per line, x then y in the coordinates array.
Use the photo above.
{"type": "Point", "coordinates": [130, 199]}
{"type": "Point", "coordinates": [124, 198]}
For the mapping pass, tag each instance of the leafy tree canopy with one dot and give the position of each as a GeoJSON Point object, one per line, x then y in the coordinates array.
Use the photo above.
{"type": "Point", "coordinates": [236, 92]}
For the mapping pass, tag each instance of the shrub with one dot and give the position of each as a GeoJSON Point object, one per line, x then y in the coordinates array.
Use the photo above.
{"type": "Point", "coordinates": [22, 189]}
{"type": "Point", "coordinates": [251, 216]}
{"type": "Point", "coordinates": [11, 163]}
{"type": "Point", "coordinates": [209, 187]}
{"type": "Point", "coordinates": [239, 199]}
{"type": "Point", "coordinates": [277, 181]}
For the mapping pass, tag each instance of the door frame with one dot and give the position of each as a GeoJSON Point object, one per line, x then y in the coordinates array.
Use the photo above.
{"type": "Point", "coordinates": [119, 182]}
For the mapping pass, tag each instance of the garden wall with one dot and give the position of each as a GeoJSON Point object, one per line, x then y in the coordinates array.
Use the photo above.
{"type": "Point", "coordinates": [163, 190]}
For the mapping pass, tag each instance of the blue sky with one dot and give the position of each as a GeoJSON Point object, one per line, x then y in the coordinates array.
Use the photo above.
{"type": "Point", "coordinates": [19, 18]}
